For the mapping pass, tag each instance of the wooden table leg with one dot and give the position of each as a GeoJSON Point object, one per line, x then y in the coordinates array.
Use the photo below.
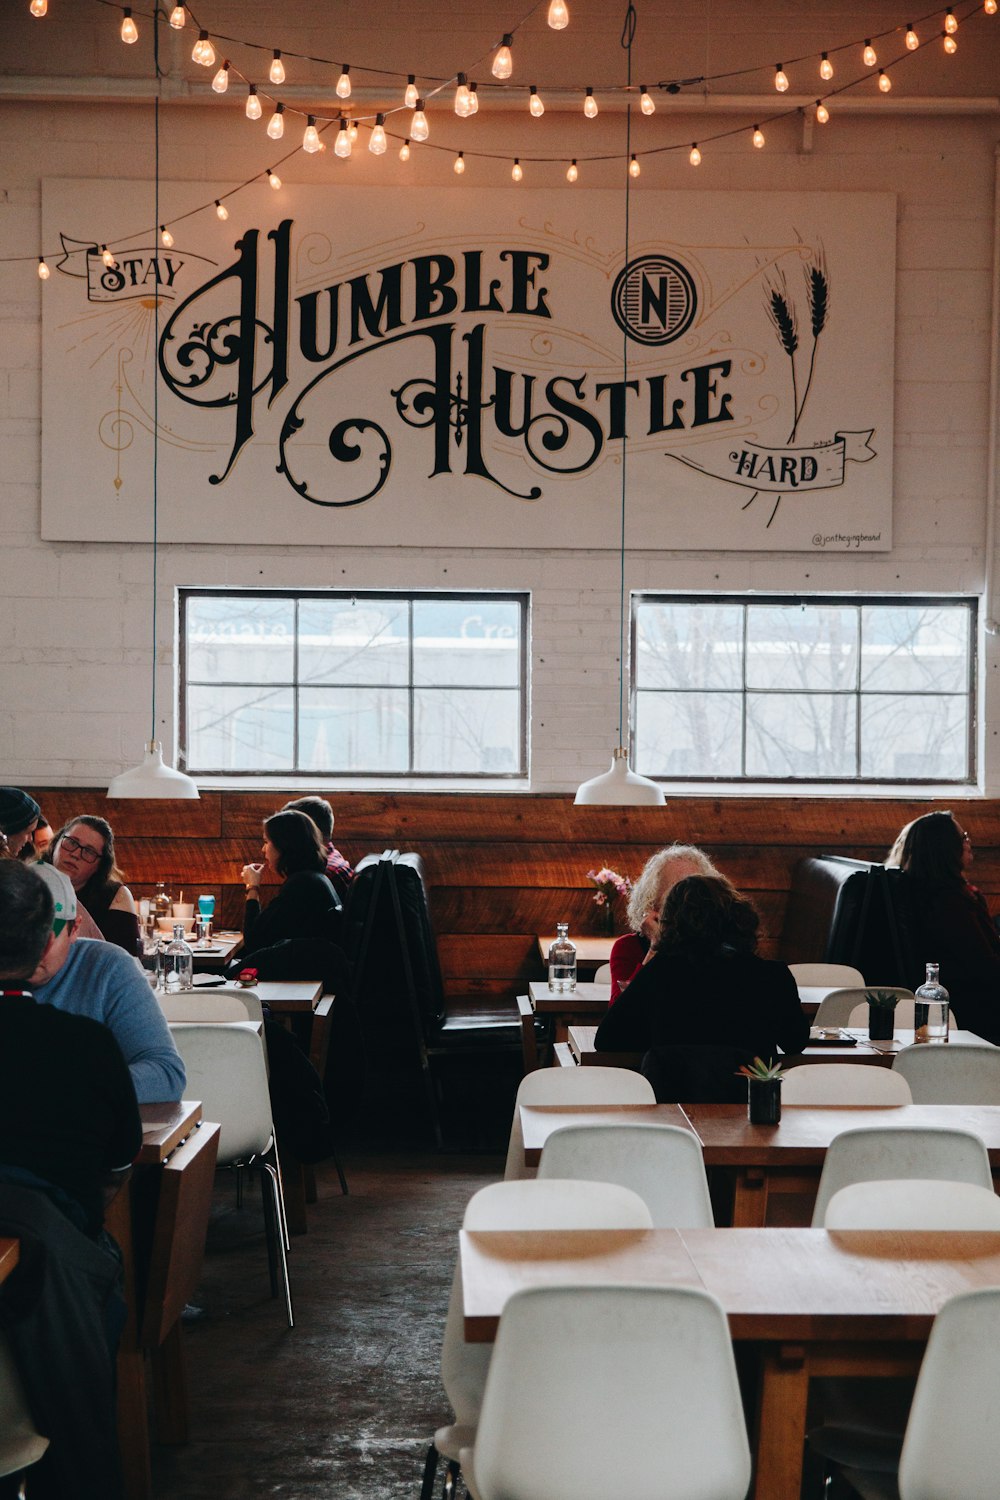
{"type": "Point", "coordinates": [750, 1198]}
{"type": "Point", "coordinates": [781, 1422]}
{"type": "Point", "coordinates": [170, 1388]}
{"type": "Point", "coordinates": [133, 1422]}
{"type": "Point", "coordinates": [293, 1182]}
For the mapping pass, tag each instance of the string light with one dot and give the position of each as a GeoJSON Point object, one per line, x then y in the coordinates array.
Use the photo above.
{"type": "Point", "coordinates": [377, 141]}
{"type": "Point", "coordinates": [646, 101]}
{"type": "Point", "coordinates": [410, 96]}
{"type": "Point", "coordinates": [38, 8]}
{"type": "Point", "coordinates": [869, 56]}
{"type": "Point", "coordinates": [780, 79]}
{"type": "Point", "coordinates": [221, 210]}
{"type": "Point", "coordinates": [273, 179]}
{"type": "Point", "coordinates": [950, 44]}
{"type": "Point", "coordinates": [342, 145]}
{"type": "Point", "coordinates": [310, 136]}
{"type": "Point", "coordinates": [825, 68]}
{"type": "Point", "coordinates": [254, 110]}
{"type": "Point", "coordinates": [558, 16]}
{"type": "Point", "coordinates": [352, 131]}
{"type": "Point", "coordinates": [459, 166]}
{"type": "Point", "coordinates": [462, 97]}
{"type": "Point", "coordinates": [166, 236]}
{"type": "Point", "coordinates": [107, 257]}
{"type": "Point", "coordinates": [130, 31]}
{"type": "Point", "coordinates": [912, 40]}
{"type": "Point", "coordinates": [633, 167]}
{"type": "Point", "coordinates": [344, 82]}
{"type": "Point", "coordinates": [220, 82]}
{"type": "Point", "coordinates": [276, 72]}
{"type": "Point", "coordinates": [419, 128]}
{"type": "Point", "coordinates": [404, 150]}
{"type": "Point", "coordinates": [503, 63]}
{"type": "Point", "coordinates": [203, 52]}
{"type": "Point", "coordinates": [276, 124]}
{"type": "Point", "coordinates": [43, 271]}
{"type": "Point", "coordinates": [178, 16]}
{"type": "Point", "coordinates": [884, 81]}
{"type": "Point", "coordinates": [951, 23]}
{"type": "Point", "coordinates": [572, 171]}
{"type": "Point", "coordinates": [535, 104]}
{"type": "Point", "coordinates": [517, 171]}
{"type": "Point", "coordinates": [473, 99]}
{"type": "Point", "coordinates": [822, 113]}
{"type": "Point", "coordinates": [590, 105]}
{"type": "Point", "coordinates": [990, 7]}
{"type": "Point", "coordinates": [695, 156]}
{"type": "Point", "coordinates": [758, 137]}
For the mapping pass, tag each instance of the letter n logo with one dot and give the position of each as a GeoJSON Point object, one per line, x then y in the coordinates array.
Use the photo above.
{"type": "Point", "coordinates": [654, 299]}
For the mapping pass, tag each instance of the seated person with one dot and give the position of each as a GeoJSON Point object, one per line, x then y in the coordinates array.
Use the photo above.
{"type": "Point", "coordinates": [84, 849]}
{"type": "Point", "coordinates": [306, 904]}
{"type": "Point", "coordinates": [705, 988]}
{"type": "Point", "coordinates": [338, 871]}
{"type": "Point", "coordinates": [19, 816]}
{"type": "Point", "coordinates": [659, 875]}
{"type": "Point", "coordinates": [100, 981]}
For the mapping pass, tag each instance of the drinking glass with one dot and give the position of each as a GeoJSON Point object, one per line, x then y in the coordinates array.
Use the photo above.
{"type": "Point", "coordinates": [206, 911]}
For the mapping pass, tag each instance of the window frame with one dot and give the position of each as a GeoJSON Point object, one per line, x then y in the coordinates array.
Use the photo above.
{"type": "Point", "coordinates": [970, 602]}
{"type": "Point", "coordinates": [520, 597]}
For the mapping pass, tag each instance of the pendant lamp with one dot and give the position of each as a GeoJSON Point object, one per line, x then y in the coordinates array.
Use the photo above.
{"type": "Point", "coordinates": [618, 786]}
{"type": "Point", "coordinates": [151, 778]}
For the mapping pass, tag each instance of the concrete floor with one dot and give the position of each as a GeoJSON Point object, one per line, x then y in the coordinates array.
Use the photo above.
{"type": "Point", "coordinates": [342, 1406]}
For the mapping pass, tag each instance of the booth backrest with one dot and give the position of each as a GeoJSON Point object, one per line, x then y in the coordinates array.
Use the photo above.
{"type": "Point", "coordinates": [844, 911]}
{"type": "Point", "coordinates": [813, 899]}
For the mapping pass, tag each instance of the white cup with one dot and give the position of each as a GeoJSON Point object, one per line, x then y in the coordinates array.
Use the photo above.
{"type": "Point", "coordinates": [183, 909]}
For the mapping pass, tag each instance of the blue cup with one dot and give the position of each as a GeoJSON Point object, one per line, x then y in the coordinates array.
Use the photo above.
{"type": "Point", "coordinates": [206, 906]}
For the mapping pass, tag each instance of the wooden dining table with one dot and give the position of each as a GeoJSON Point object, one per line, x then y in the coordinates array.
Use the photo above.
{"type": "Point", "coordinates": [806, 1302]}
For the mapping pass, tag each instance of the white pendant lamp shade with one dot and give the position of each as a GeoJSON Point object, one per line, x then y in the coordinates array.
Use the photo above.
{"type": "Point", "coordinates": [620, 787]}
{"type": "Point", "coordinates": [153, 779]}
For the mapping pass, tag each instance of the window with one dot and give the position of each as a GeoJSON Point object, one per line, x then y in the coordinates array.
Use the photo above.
{"type": "Point", "coordinates": [324, 683]}
{"type": "Point", "coordinates": [784, 689]}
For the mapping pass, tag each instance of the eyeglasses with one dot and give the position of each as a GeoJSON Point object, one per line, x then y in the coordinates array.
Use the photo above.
{"type": "Point", "coordinates": [73, 846]}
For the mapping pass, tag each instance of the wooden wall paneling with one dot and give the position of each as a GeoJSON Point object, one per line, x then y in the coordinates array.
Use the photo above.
{"type": "Point", "coordinates": [199, 819]}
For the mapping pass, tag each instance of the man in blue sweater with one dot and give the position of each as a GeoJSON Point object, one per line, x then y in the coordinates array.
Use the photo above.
{"type": "Point", "coordinates": [101, 981]}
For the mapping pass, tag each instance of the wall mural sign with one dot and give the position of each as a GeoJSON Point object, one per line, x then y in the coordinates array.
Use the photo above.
{"type": "Point", "coordinates": [443, 367]}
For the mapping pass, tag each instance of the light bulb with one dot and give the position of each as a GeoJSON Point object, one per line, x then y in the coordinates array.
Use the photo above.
{"type": "Point", "coordinates": [254, 110]}
{"type": "Point", "coordinates": [869, 56]}
{"type": "Point", "coordinates": [780, 79]}
{"type": "Point", "coordinates": [459, 166]}
{"type": "Point", "coordinates": [38, 8]}
{"type": "Point", "coordinates": [166, 236]}
{"type": "Point", "coordinates": [535, 104]}
{"type": "Point", "coordinates": [990, 7]}
{"type": "Point", "coordinates": [950, 44]}
{"type": "Point", "coordinates": [634, 168]}
{"type": "Point", "coordinates": [695, 156]}
{"type": "Point", "coordinates": [884, 81]}
{"type": "Point", "coordinates": [107, 257]}
{"type": "Point", "coordinates": [503, 63]}
{"type": "Point", "coordinates": [404, 151]}
{"type": "Point", "coordinates": [951, 23]}
{"type": "Point", "coordinates": [273, 180]}
{"type": "Point", "coordinates": [352, 131]}
{"type": "Point", "coordinates": [130, 31]}
{"type": "Point", "coordinates": [177, 17]}
{"type": "Point", "coordinates": [43, 271]}
{"type": "Point", "coordinates": [572, 171]}
{"type": "Point", "coordinates": [310, 137]}
{"type": "Point", "coordinates": [203, 52]}
{"type": "Point", "coordinates": [822, 113]}
{"type": "Point", "coordinates": [220, 82]}
{"type": "Point", "coordinates": [912, 40]}
{"type": "Point", "coordinates": [473, 99]}
{"type": "Point", "coordinates": [410, 96]}
{"type": "Point", "coordinates": [558, 17]}
{"type": "Point", "coordinates": [758, 137]}
{"type": "Point", "coordinates": [462, 97]}
{"type": "Point", "coordinates": [276, 72]}
{"type": "Point", "coordinates": [826, 69]}
{"type": "Point", "coordinates": [343, 90]}
{"type": "Point", "coordinates": [276, 124]}
{"type": "Point", "coordinates": [221, 210]}
{"type": "Point", "coordinates": [646, 102]}
{"type": "Point", "coordinates": [590, 105]}
{"type": "Point", "coordinates": [377, 141]}
{"type": "Point", "coordinates": [342, 145]}
{"type": "Point", "coordinates": [419, 128]}
{"type": "Point", "coordinates": [517, 171]}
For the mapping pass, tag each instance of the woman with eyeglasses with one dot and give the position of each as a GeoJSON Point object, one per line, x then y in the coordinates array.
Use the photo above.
{"type": "Point", "coordinates": [84, 849]}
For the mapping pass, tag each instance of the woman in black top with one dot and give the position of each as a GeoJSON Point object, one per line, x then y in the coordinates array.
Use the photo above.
{"type": "Point", "coordinates": [84, 849]}
{"type": "Point", "coordinates": [705, 1002]}
{"type": "Point", "coordinates": [304, 906]}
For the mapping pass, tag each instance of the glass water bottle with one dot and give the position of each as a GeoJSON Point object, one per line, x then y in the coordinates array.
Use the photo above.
{"type": "Point", "coordinates": [562, 962]}
{"type": "Point", "coordinates": [177, 963]}
{"type": "Point", "coordinates": [931, 1009]}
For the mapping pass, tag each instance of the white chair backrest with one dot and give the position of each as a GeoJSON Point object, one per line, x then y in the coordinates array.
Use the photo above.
{"type": "Point", "coordinates": [212, 1005]}
{"type": "Point", "coordinates": [817, 974]}
{"type": "Point", "coordinates": [665, 1353]}
{"type": "Point", "coordinates": [913, 1203]}
{"type": "Point", "coordinates": [226, 1071]}
{"type": "Point", "coordinates": [843, 1083]}
{"type": "Point", "coordinates": [662, 1163]}
{"type": "Point", "coordinates": [874, 1153]}
{"type": "Point", "coordinates": [571, 1086]}
{"type": "Point", "coordinates": [602, 974]}
{"type": "Point", "coordinates": [902, 1016]}
{"type": "Point", "coordinates": [20, 1443]}
{"type": "Point", "coordinates": [953, 1074]}
{"type": "Point", "coordinates": [837, 1008]}
{"type": "Point", "coordinates": [951, 1450]}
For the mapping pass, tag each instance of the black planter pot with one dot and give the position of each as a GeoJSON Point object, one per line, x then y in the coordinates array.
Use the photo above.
{"type": "Point", "coordinates": [764, 1100]}
{"type": "Point", "coordinates": [881, 1022]}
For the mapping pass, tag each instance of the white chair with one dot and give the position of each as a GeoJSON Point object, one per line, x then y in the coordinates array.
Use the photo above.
{"type": "Point", "coordinates": [20, 1445]}
{"type": "Point", "coordinates": [810, 975]}
{"type": "Point", "coordinates": [212, 1006]}
{"type": "Point", "coordinates": [599, 1391]}
{"type": "Point", "coordinates": [876, 1153]}
{"type": "Point", "coordinates": [958, 1074]}
{"type": "Point", "coordinates": [226, 1070]}
{"type": "Point", "coordinates": [579, 1086]}
{"type": "Point", "coordinates": [662, 1163]}
{"type": "Point", "coordinates": [602, 974]}
{"type": "Point", "coordinates": [843, 1083]}
{"type": "Point", "coordinates": [512, 1205]}
{"type": "Point", "coordinates": [838, 1007]}
{"type": "Point", "coordinates": [913, 1203]}
{"type": "Point", "coordinates": [902, 1016]}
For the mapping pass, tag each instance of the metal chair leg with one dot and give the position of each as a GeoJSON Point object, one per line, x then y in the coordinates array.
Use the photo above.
{"type": "Point", "coordinates": [340, 1174]}
{"type": "Point", "coordinates": [451, 1474]}
{"type": "Point", "coordinates": [430, 1471]}
{"type": "Point", "coordinates": [274, 1180]}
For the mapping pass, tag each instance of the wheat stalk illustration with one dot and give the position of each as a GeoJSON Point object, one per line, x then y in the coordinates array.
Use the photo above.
{"type": "Point", "coordinates": [818, 296]}
{"type": "Point", "coordinates": [782, 316]}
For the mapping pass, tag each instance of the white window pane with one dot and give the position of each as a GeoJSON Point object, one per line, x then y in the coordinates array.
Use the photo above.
{"type": "Point", "coordinates": [689, 645]}
{"type": "Point", "coordinates": [915, 648]}
{"type": "Point", "coordinates": [466, 641]}
{"type": "Point", "coordinates": [353, 640]}
{"type": "Point", "coordinates": [792, 647]}
{"type": "Point", "coordinates": [914, 738]}
{"type": "Point", "coordinates": [456, 731]}
{"type": "Point", "coordinates": [239, 729]}
{"type": "Point", "coordinates": [232, 639]}
{"type": "Point", "coordinates": [687, 734]}
{"type": "Point", "coordinates": [354, 729]}
{"type": "Point", "coordinates": [801, 734]}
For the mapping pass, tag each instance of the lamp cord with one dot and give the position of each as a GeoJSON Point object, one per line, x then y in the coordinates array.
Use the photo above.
{"type": "Point", "coordinates": [627, 38]}
{"type": "Point", "coordinates": [156, 349]}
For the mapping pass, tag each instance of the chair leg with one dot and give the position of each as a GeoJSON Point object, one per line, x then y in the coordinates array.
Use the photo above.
{"type": "Point", "coordinates": [451, 1474]}
{"type": "Point", "coordinates": [238, 1170]}
{"type": "Point", "coordinates": [272, 1230]}
{"type": "Point", "coordinates": [430, 1471]}
{"type": "Point", "coordinates": [340, 1174]}
{"type": "Point", "coordinates": [275, 1182]}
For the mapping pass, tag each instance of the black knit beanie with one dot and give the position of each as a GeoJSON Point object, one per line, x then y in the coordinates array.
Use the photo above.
{"type": "Point", "coordinates": [17, 810]}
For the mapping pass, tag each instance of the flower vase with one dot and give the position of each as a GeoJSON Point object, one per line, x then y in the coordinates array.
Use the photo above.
{"type": "Point", "coordinates": [764, 1100]}
{"type": "Point", "coordinates": [608, 924]}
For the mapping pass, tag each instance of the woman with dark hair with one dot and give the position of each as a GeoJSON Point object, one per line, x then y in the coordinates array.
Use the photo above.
{"type": "Point", "coordinates": [84, 849]}
{"type": "Point", "coordinates": [302, 908]}
{"type": "Point", "coordinates": [951, 921]}
{"type": "Point", "coordinates": [19, 815]}
{"type": "Point", "coordinates": [704, 1003]}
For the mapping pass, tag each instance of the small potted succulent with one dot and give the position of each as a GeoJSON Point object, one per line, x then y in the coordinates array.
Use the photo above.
{"type": "Point", "coordinates": [881, 1014]}
{"type": "Point", "coordinates": [763, 1091]}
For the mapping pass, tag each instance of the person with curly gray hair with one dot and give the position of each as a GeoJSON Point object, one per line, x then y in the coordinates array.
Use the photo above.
{"type": "Point", "coordinates": [660, 874]}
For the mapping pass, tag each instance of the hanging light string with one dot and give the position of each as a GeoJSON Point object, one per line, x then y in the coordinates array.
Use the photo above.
{"type": "Point", "coordinates": [627, 38]}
